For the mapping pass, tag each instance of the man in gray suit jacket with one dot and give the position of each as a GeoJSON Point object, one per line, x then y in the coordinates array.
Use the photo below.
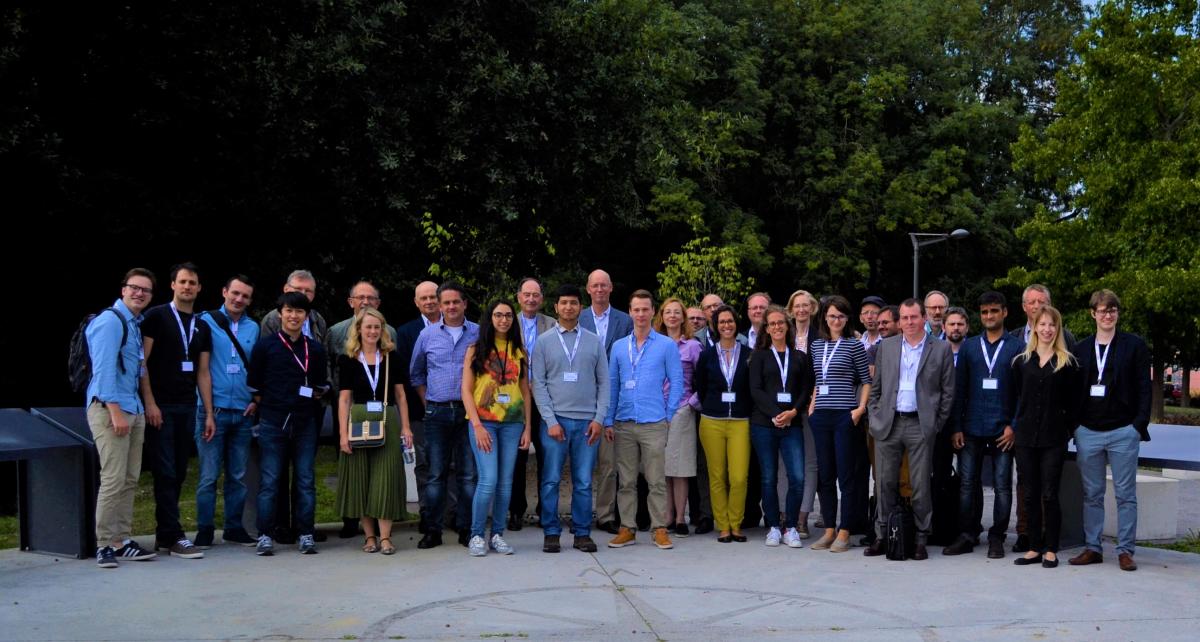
{"type": "Point", "coordinates": [611, 324]}
{"type": "Point", "coordinates": [909, 403]}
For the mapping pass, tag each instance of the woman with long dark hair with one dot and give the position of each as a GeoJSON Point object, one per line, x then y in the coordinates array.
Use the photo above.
{"type": "Point", "coordinates": [1045, 384]}
{"type": "Point", "coordinates": [495, 393]}
{"type": "Point", "coordinates": [840, 368]}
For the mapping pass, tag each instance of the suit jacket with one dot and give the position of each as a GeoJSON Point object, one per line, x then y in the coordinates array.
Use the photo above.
{"type": "Point", "coordinates": [702, 337]}
{"type": "Point", "coordinates": [406, 338]}
{"type": "Point", "coordinates": [935, 386]}
{"type": "Point", "coordinates": [1130, 384]}
{"type": "Point", "coordinates": [619, 325]}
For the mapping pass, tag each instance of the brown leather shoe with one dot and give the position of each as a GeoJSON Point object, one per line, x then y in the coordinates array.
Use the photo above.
{"type": "Point", "coordinates": [661, 539]}
{"type": "Point", "coordinates": [1126, 561]}
{"type": "Point", "coordinates": [920, 553]}
{"type": "Point", "coordinates": [625, 537]}
{"type": "Point", "coordinates": [877, 548]}
{"type": "Point", "coordinates": [1088, 556]}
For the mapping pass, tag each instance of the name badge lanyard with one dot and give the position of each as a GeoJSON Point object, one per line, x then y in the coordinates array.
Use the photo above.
{"type": "Point", "coordinates": [783, 365]}
{"type": "Point", "coordinates": [633, 360]}
{"type": "Point", "coordinates": [371, 379]}
{"type": "Point", "coordinates": [990, 363]}
{"type": "Point", "coordinates": [572, 352]}
{"type": "Point", "coordinates": [504, 363]}
{"type": "Point", "coordinates": [1101, 360]}
{"type": "Point", "coordinates": [730, 369]}
{"type": "Point", "coordinates": [233, 351]}
{"type": "Point", "coordinates": [826, 361]}
{"type": "Point", "coordinates": [303, 364]}
{"type": "Point", "coordinates": [186, 334]}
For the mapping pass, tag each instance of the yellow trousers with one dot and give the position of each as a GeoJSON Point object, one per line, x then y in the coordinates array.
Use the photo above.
{"type": "Point", "coordinates": [726, 445]}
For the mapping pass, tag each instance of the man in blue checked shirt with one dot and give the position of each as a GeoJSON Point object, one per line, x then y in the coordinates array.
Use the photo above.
{"type": "Point", "coordinates": [436, 372]}
{"type": "Point", "coordinates": [638, 416]}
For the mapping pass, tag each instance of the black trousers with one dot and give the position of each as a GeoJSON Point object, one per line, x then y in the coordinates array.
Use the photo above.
{"type": "Point", "coordinates": [1041, 468]}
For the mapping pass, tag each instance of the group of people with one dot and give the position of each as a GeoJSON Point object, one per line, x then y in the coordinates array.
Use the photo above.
{"type": "Point", "coordinates": [668, 414]}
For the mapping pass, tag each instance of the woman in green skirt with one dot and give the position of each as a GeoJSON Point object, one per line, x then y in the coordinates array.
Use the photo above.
{"type": "Point", "coordinates": [371, 480]}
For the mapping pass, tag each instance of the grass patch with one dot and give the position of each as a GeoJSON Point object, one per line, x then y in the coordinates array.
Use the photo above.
{"type": "Point", "coordinates": [1189, 544]}
{"type": "Point", "coordinates": [143, 502]}
{"type": "Point", "coordinates": [1181, 416]}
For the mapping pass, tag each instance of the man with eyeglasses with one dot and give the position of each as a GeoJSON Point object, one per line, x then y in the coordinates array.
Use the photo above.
{"type": "Point", "coordinates": [982, 424]}
{"type": "Point", "coordinates": [533, 322]}
{"type": "Point", "coordinates": [436, 372]}
{"type": "Point", "coordinates": [936, 304]}
{"type": "Point", "coordinates": [364, 294]}
{"type": "Point", "coordinates": [177, 350]}
{"type": "Point", "coordinates": [116, 416]}
{"type": "Point", "coordinates": [1114, 417]}
{"type": "Point", "coordinates": [696, 319]}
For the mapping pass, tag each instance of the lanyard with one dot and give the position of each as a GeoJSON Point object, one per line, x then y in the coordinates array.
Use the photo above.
{"type": "Point", "coordinates": [303, 364]}
{"type": "Point", "coordinates": [1101, 360]}
{"type": "Point", "coordinates": [233, 325]}
{"type": "Point", "coordinates": [827, 358]}
{"type": "Point", "coordinates": [633, 362]}
{"type": "Point", "coordinates": [573, 351]}
{"type": "Point", "coordinates": [783, 365]}
{"type": "Point", "coordinates": [187, 335]}
{"type": "Point", "coordinates": [503, 361]}
{"type": "Point", "coordinates": [990, 363]}
{"type": "Point", "coordinates": [730, 369]}
{"type": "Point", "coordinates": [373, 380]}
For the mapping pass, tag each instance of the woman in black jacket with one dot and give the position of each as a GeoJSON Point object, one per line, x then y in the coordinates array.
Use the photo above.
{"type": "Point", "coordinates": [1046, 379]}
{"type": "Point", "coordinates": [781, 383]}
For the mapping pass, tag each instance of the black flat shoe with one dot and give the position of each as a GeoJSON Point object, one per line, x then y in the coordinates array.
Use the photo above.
{"type": "Point", "coordinates": [738, 537]}
{"type": "Point", "coordinates": [725, 539]}
{"type": "Point", "coordinates": [1026, 561]}
{"type": "Point", "coordinates": [1050, 563]}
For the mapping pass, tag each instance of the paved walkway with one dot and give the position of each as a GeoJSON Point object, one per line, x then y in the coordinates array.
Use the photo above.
{"type": "Point", "coordinates": [701, 590]}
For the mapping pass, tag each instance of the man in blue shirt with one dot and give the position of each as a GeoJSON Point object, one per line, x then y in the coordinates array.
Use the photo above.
{"type": "Point", "coordinates": [288, 374]}
{"type": "Point", "coordinates": [638, 367]}
{"type": "Point", "coordinates": [983, 424]}
{"type": "Point", "coordinates": [436, 372]}
{"type": "Point", "coordinates": [116, 416]}
{"type": "Point", "coordinates": [226, 414]}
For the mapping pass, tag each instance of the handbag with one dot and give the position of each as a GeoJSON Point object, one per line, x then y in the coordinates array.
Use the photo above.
{"type": "Point", "coordinates": [370, 433]}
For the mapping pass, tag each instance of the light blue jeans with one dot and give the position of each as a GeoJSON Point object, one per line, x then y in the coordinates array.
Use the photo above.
{"type": "Point", "coordinates": [583, 459]}
{"type": "Point", "coordinates": [1119, 449]}
{"type": "Point", "coordinates": [493, 490]}
{"type": "Point", "coordinates": [229, 450]}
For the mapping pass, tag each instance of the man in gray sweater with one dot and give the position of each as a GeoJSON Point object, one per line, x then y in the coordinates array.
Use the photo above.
{"type": "Point", "coordinates": [571, 388]}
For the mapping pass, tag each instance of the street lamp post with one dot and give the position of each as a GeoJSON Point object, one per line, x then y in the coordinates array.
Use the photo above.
{"type": "Point", "coordinates": [920, 240]}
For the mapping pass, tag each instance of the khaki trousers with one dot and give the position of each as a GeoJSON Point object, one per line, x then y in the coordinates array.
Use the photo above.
{"type": "Point", "coordinates": [120, 465]}
{"type": "Point", "coordinates": [641, 447]}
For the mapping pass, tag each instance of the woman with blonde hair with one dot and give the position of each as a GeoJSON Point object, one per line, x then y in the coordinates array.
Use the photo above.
{"type": "Point", "coordinates": [671, 321]}
{"type": "Point", "coordinates": [371, 484]}
{"type": "Point", "coordinates": [1046, 378]}
{"type": "Point", "coordinates": [801, 307]}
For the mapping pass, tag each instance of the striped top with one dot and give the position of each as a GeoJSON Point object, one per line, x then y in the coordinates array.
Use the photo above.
{"type": "Point", "coordinates": [847, 370]}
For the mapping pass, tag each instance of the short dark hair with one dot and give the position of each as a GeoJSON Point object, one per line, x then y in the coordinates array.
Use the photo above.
{"type": "Point", "coordinates": [451, 286]}
{"type": "Point", "coordinates": [908, 303]}
{"type": "Point", "coordinates": [139, 272]}
{"type": "Point", "coordinates": [239, 277]}
{"type": "Point", "coordinates": [568, 290]}
{"type": "Point", "coordinates": [893, 310]}
{"type": "Point", "coordinates": [186, 265]}
{"type": "Point", "coordinates": [295, 300]}
{"type": "Point", "coordinates": [992, 297]}
{"type": "Point", "coordinates": [642, 294]}
{"type": "Point", "coordinates": [954, 309]}
{"type": "Point", "coordinates": [1106, 298]}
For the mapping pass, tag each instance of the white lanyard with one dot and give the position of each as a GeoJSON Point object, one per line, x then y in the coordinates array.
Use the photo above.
{"type": "Point", "coordinates": [827, 358]}
{"type": "Point", "coordinates": [783, 365]}
{"type": "Point", "coordinates": [187, 335]}
{"type": "Point", "coordinates": [373, 380]}
{"type": "Point", "coordinates": [990, 363]}
{"type": "Point", "coordinates": [573, 351]}
{"type": "Point", "coordinates": [1101, 360]}
{"type": "Point", "coordinates": [632, 362]}
{"type": "Point", "coordinates": [730, 369]}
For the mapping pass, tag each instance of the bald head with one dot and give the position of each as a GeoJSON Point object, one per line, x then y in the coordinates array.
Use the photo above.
{"type": "Point", "coordinates": [599, 287]}
{"type": "Point", "coordinates": [425, 296]}
{"type": "Point", "coordinates": [709, 304]}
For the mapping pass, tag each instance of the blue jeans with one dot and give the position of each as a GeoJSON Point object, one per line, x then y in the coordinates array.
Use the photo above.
{"type": "Point", "coordinates": [169, 449]}
{"type": "Point", "coordinates": [298, 441]}
{"type": "Point", "coordinates": [1118, 449]}
{"type": "Point", "coordinates": [769, 443]}
{"type": "Point", "coordinates": [970, 465]}
{"type": "Point", "coordinates": [493, 490]}
{"type": "Point", "coordinates": [228, 450]}
{"type": "Point", "coordinates": [583, 459]}
{"type": "Point", "coordinates": [446, 433]}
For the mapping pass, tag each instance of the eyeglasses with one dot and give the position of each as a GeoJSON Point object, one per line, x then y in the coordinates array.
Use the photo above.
{"type": "Point", "coordinates": [367, 298]}
{"type": "Point", "coordinates": [776, 324]}
{"type": "Point", "coordinates": [835, 317]}
{"type": "Point", "coordinates": [502, 315]}
{"type": "Point", "coordinates": [712, 306]}
{"type": "Point", "coordinates": [1107, 312]}
{"type": "Point", "coordinates": [137, 289]}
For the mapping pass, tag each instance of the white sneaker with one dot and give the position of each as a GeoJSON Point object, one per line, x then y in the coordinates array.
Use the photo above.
{"type": "Point", "coordinates": [792, 538]}
{"type": "Point", "coordinates": [501, 546]}
{"type": "Point", "coordinates": [477, 547]}
{"type": "Point", "coordinates": [772, 537]}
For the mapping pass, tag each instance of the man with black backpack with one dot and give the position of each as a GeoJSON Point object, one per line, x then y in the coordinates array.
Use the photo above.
{"type": "Point", "coordinates": [227, 409]}
{"type": "Point", "coordinates": [117, 417]}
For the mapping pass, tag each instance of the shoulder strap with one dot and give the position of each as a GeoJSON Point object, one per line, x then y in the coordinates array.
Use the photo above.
{"type": "Point", "coordinates": [124, 337]}
{"type": "Point", "coordinates": [387, 371]}
{"type": "Point", "coordinates": [223, 323]}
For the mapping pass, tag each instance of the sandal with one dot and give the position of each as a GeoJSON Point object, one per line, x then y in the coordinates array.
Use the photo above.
{"type": "Point", "coordinates": [368, 547]}
{"type": "Point", "coordinates": [387, 549]}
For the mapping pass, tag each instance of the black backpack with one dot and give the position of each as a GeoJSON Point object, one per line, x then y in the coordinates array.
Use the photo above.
{"type": "Point", "coordinates": [79, 360]}
{"type": "Point", "coordinates": [901, 532]}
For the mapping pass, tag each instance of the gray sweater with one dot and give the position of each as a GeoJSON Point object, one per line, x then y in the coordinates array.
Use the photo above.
{"type": "Point", "coordinates": [587, 397]}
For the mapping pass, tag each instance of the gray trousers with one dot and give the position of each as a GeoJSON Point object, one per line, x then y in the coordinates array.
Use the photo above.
{"type": "Point", "coordinates": [906, 437]}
